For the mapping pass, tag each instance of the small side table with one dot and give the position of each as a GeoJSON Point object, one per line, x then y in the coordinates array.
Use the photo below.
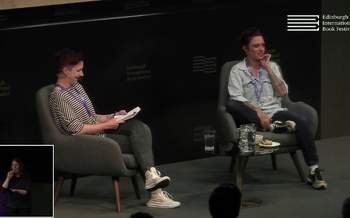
{"type": "Point", "coordinates": [240, 164]}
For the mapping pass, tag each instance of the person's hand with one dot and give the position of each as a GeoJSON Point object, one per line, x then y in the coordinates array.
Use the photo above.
{"type": "Point", "coordinates": [113, 123]}
{"type": "Point", "coordinates": [121, 112]}
{"type": "Point", "coordinates": [10, 174]}
{"type": "Point", "coordinates": [265, 62]}
{"type": "Point", "coordinates": [13, 190]}
{"type": "Point", "coordinates": [265, 120]}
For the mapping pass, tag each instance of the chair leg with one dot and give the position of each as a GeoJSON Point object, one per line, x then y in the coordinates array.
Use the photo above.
{"type": "Point", "coordinates": [116, 188]}
{"type": "Point", "coordinates": [136, 186]}
{"type": "Point", "coordinates": [59, 184]}
{"type": "Point", "coordinates": [73, 184]}
{"type": "Point", "coordinates": [296, 161]}
{"type": "Point", "coordinates": [274, 162]}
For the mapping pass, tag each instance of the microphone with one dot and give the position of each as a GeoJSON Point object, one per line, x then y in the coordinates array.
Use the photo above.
{"type": "Point", "coordinates": [79, 79]}
{"type": "Point", "coordinates": [262, 58]}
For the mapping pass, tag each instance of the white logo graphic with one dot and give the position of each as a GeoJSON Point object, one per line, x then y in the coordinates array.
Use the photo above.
{"type": "Point", "coordinates": [303, 22]}
{"type": "Point", "coordinates": [204, 64]}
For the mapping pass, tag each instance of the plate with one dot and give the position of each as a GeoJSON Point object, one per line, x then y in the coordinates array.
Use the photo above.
{"type": "Point", "coordinates": [274, 144]}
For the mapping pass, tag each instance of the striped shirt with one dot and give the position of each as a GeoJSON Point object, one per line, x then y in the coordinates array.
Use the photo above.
{"type": "Point", "coordinates": [69, 113]}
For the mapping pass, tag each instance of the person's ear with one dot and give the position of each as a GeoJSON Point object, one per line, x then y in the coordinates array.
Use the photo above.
{"type": "Point", "coordinates": [245, 49]}
{"type": "Point", "coordinates": [65, 70]}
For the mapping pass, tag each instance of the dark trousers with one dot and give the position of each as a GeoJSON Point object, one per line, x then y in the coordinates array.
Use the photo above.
{"type": "Point", "coordinates": [243, 114]}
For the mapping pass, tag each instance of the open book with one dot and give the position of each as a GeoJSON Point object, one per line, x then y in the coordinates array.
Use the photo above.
{"type": "Point", "coordinates": [129, 115]}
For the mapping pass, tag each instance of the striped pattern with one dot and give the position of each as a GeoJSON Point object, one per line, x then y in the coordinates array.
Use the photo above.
{"type": "Point", "coordinates": [69, 113]}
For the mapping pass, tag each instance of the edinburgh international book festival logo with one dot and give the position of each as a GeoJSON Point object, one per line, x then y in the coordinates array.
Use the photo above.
{"type": "Point", "coordinates": [323, 23]}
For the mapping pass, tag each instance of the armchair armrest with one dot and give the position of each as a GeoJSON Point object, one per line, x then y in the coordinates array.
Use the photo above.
{"type": "Point", "coordinates": [227, 128]}
{"type": "Point", "coordinates": [87, 154]}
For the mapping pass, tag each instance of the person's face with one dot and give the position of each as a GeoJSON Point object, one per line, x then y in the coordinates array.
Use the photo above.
{"type": "Point", "coordinates": [256, 48]}
{"type": "Point", "coordinates": [73, 73]}
{"type": "Point", "coordinates": [15, 167]}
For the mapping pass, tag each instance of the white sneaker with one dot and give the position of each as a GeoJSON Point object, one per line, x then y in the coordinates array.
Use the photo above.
{"type": "Point", "coordinates": [162, 199]}
{"type": "Point", "coordinates": [154, 181]}
{"type": "Point", "coordinates": [291, 126]}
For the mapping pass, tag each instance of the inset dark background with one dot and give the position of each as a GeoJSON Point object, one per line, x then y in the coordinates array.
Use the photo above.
{"type": "Point", "coordinates": [38, 161]}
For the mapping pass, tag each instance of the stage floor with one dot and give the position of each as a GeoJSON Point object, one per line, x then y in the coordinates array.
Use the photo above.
{"type": "Point", "coordinates": [282, 192]}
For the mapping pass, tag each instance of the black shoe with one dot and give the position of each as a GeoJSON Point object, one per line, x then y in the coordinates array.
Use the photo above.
{"type": "Point", "coordinates": [315, 179]}
{"type": "Point", "coordinates": [279, 127]}
{"type": "Point", "coordinates": [283, 126]}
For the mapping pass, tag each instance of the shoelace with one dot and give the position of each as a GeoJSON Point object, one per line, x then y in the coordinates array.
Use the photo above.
{"type": "Point", "coordinates": [318, 175]}
{"type": "Point", "coordinates": [167, 195]}
{"type": "Point", "coordinates": [155, 171]}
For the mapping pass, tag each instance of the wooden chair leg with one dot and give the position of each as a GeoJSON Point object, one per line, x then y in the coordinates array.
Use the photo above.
{"type": "Point", "coordinates": [59, 184]}
{"type": "Point", "coordinates": [274, 162]}
{"type": "Point", "coordinates": [296, 161]}
{"type": "Point", "coordinates": [136, 186]}
{"type": "Point", "coordinates": [116, 188]}
{"type": "Point", "coordinates": [73, 184]}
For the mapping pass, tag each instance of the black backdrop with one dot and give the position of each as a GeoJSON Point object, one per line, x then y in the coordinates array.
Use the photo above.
{"type": "Point", "coordinates": [166, 61]}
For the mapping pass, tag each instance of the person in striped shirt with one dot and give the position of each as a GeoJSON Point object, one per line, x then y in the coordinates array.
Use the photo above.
{"type": "Point", "coordinates": [74, 114]}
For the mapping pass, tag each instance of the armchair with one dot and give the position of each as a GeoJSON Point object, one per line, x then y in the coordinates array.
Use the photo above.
{"type": "Point", "coordinates": [227, 126]}
{"type": "Point", "coordinates": [83, 154]}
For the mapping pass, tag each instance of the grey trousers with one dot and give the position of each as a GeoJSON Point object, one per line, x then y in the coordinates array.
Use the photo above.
{"type": "Point", "coordinates": [135, 137]}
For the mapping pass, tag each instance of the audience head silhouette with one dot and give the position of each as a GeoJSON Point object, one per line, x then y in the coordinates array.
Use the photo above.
{"type": "Point", "coordinates": [225, 201]}
{"type": "Point", "coordinates": [141, 215]}
{"type": "Point", "coordinates": [346, 208]}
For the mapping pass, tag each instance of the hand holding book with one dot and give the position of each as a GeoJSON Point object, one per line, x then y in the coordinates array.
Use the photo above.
{"type": "Point", "coordinates": [129, 115]}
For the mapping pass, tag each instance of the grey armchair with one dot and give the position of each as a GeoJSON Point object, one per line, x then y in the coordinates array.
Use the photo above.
{"type": "Point", "coordinates": [84, 154]}
{"type": "Point", "coordinates": [227, 126]}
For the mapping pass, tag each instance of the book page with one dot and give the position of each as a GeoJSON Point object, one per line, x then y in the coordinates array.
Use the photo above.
{"type": "Point", "coordinates": [129, 115]}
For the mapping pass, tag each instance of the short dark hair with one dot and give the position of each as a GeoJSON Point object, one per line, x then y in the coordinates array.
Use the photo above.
{"type": "Point", "coordinates": [225, 201]}
{"type": "Point", "coordinates": [246, 35]}
{"type": "Point", "coordinates": [346, 208]}
{"type": "Point", "coordinates": [67, 57]}
{"type": "Point", "coordinates": [141, 215]}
